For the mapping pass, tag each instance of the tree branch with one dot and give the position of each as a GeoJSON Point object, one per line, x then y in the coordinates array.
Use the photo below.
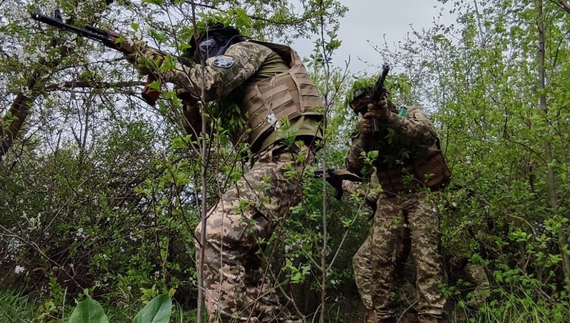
{"type": "Point", "coordinates": [12, 122]}
{"type": "Point", "coordinates": [562, 4]}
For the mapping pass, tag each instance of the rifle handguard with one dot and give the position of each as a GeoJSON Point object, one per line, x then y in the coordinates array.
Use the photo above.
{"type": "Point", "coordinates": [108, 38]}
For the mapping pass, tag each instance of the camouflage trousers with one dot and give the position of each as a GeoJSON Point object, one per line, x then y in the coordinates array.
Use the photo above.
{"type": "Point", "coordinates": [374, 263]}
{"type": "Point", "coordinates": [236, 287]}
{"type": "Point", "coordinates": [475, 273]}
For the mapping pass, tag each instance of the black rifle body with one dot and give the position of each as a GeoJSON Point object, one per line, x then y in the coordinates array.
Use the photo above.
{"type": "Point", "coordinates": [109, 38]}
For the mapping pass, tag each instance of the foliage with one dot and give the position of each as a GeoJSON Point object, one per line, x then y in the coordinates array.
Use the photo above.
{"type": "Point", "coordinates": [16, 307]}
{"type": "Point", "coordinates": [88, 310]}
{"type": "Point", "coordinates": [480, 79]}
{"type": "Point", "coordinates": [101, 191]}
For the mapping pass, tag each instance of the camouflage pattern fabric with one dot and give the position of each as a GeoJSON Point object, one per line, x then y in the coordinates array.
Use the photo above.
{"type": "Point", "coordinates": [468, 220]}
{"type": "Point", "coordinates": [374, 262]}
{"type": "Point", "coordinates": [236, 286]}
{"type": "Point", "coordinates": [471, 272]}
{"type": "Point", "coordinates": [475, 273]}
{"type": "Point", "coordinates": [219, 75]}
{"type": "Point", "coordinates": [461, 265]}
{"type": "Point", "coordinates": [401, 141]}
{"type": "Point", "coordinates": [414, 136]}
{"type": "Point", "coordinates": [232, 75]}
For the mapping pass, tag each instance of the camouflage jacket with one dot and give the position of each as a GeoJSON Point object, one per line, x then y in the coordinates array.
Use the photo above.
{"type": "Point", "coordinates": [408, 153]}
{"type": "Point", "coordinates": [232, 75]}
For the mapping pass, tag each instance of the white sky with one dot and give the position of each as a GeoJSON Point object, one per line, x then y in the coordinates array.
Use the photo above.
{"type": "Point", "coordinates": [374, 20]}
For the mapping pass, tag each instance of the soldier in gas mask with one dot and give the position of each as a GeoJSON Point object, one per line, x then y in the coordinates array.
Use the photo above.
{"type": "Point", "coordinates": [270, 85]}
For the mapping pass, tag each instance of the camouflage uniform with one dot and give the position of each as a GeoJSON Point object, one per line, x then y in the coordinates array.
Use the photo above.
{"type": "Point", "coordinates": [269, 83]}
{"type": "Point", "coordinates": [459, 248]}
{"type": "Point", "coordinates": [407, 151]}
{"type": "Point", "coordinates": [475, 273]}
{"type": "Point", "coordinates": [236, 285]}
{"type": "Point", "coordinates": [458, 266]}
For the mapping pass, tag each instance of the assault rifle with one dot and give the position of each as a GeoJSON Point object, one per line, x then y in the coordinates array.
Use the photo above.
{"type": "Point", "coordinates": [361, 99]}
{"type": "Point", "coordinates": [108, 38]}
{"type": "Point", "coordinates": [335, 178]}
{"type": "Point", "coordinates": [379, 90]}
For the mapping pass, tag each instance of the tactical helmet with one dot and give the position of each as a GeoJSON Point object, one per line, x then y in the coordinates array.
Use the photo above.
{"type": "Point", "coordinates": [218, 38]}
{"type": "Point", "coordinates": [359, 95]}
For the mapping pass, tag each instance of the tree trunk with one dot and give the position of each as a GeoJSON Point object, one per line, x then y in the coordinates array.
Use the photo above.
{"type": "Point", "coordinates": [553, 198]}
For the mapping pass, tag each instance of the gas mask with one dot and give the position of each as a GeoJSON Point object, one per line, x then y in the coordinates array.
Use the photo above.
{"type": "Point", "coordinates": [213, 45]}
{"type": "Point", "coordinates": [214, 42]}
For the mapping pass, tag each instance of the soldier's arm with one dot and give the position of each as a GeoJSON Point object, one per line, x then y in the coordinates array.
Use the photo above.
{"type": "Point", "coordinates": [354, 161]}
{"type": "Point", "coordinates": [221, 74]}
{"type": "Point", "coordinates": [416, 126]}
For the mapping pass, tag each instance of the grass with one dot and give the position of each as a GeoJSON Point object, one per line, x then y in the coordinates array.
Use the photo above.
{"type": "Point", "coordinates": [15, 308]}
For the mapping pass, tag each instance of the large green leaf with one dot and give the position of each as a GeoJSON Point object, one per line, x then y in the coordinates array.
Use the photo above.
{"type": "Point", "coordinates": [88, 311]}
{"type": "Point", "coordinates": [158, 310]}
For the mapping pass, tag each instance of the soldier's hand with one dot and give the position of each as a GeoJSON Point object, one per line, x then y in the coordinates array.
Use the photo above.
{"type": "Point", "coordinates": [191, 112]}
{"type": "Point", "coordinates": [187, 96]}
{"type": "Point", "coordinates": [367, 125]}
{"type": "Point", "coordinates": [145, 59]}
{"type": "Point", "coordinates": [191, 105]}
{"type": "Point", "coordinates": [378, 110]}
{"type": "Point", "coordinates": [192, 119]}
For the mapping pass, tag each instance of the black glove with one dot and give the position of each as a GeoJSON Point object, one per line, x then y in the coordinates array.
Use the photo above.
{"type": "Point", "coordinates": [335, 178]}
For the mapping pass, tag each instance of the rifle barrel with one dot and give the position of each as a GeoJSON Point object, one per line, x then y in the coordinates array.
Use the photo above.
{"type": "Point", "coordinates": [100, 35]}
{"type": "Point", "coordinates": [379, 89]}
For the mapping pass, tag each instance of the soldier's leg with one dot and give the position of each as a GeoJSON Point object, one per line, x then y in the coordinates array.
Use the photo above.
{"type": "Point", "coordinates": [362, 269]}
{"type": "Point", "coordinates": [476, 274]}
{"type": "Point", "coordinates": [235, 287]}
{"type": "Point", "coordinates": [374, 262]}
{"type": "Point", "coordinates": [424, 225]}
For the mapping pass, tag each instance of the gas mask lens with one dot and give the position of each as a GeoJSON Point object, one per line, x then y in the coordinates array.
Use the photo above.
{"type": "Point", "coordinates": [206, 47]}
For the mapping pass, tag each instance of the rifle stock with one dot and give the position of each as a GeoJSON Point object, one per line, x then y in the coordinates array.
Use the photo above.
{"type": "Point", "coordinates": [109, 38]}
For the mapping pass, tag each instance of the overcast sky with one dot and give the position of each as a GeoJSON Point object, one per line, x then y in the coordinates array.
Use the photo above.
{"type": "Point", "coordinates": [371, 21]}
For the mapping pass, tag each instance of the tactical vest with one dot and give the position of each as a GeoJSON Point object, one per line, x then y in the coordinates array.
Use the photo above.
{"type": "Point", "coordinates": [427, 169]}
{"type": "Point", "coordinates": [289, 94]}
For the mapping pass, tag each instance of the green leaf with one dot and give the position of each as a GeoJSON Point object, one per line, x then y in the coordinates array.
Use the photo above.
{"type": "Point", "coordinates": [158, 310]}
{"type": "Point", "coordinates": [155, 85]}
{"type": "Point", "coordinates": [156, 2]}
{"type": "Point", "coordinates": [88, 311]}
